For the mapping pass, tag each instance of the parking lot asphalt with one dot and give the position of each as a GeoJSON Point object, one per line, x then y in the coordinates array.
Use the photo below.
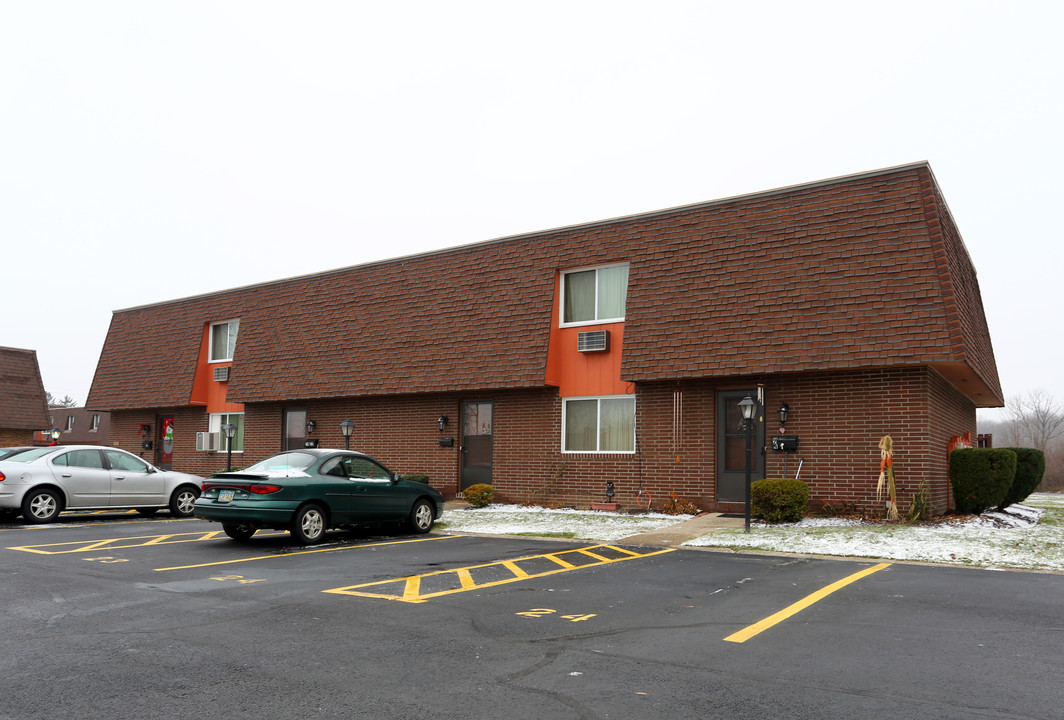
{"type": "Point", "coordinates": [128, 617]}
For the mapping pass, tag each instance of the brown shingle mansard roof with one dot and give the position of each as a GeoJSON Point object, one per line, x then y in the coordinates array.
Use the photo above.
{"type": "Point", "coordinates": [863, 271]}
{"type": "Point", "coordinates": [23, 403]}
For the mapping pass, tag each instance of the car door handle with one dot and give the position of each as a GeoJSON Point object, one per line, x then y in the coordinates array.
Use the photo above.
{"type": "Point", "coordinates": [120, 477]}
{"type": "Point", "coordinates": [67, 475]}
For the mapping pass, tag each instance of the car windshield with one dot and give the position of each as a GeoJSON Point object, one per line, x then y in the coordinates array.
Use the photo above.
{"type": "Point", "coordinates": [28, 455]}
{"type": "Point", "coordinates": [284, 461]}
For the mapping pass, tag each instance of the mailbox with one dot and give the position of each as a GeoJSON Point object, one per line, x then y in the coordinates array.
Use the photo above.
{"type": "Point", "coordinates": [785, 443]}
{"type": "Point", "coordinates": [310, 443]}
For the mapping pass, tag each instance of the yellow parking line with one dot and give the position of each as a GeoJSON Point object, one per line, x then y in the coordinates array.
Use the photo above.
{"type": "Point", "coordinates": [303, 552]}
{"type": "Point", "coordinates": [77, 546]}
{"type": "Point", "coordinates": [749, 632]}
{"type": "Point", "coordinates": [414, 589]}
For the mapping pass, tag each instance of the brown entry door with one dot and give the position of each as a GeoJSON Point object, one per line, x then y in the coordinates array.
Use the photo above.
{"type": "Point", "coordinates": [476, 443]}
{"type": "Point", "coordinates": [731, 447]}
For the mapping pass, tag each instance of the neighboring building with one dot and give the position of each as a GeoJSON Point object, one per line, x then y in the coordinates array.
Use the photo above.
{"type": "Point", "coordinates": [77, 426]}
{"type": "Point", "coordinates": [23, 402]}
{"type": "Point", "coordinates": [551, 363]}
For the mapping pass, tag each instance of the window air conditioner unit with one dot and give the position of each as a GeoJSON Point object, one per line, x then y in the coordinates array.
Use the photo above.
{"type": "Point", "coordinates": [593, 341]}
{"type": "Point", "coordinates": [208, 441]}
{"type": "Point", "coordinates": [221, 374]}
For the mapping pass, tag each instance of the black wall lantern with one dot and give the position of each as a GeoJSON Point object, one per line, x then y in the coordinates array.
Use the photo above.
{"type": "Point", "coordinates": [609, 491]}
{"type": "Point", "coordinates": [311, 424]}
{"type": "Point", "coordinates": [442, 421]}
{"type": "Point", "coordinates": [347, 428]}
{"type": "Point", "coordinates": [784, 410]}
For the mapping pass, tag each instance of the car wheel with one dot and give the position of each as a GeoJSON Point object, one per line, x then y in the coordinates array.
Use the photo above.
{"type": "Point", "coordinates": [422, 516]}
{"type": "Point", "coordinates": [183, 501]}
{"type": "Point", "coordinates": [40, 506]}
{"type": "Point", "coordinates": [147, 512]}
{"type": "Point", "coordinates": [238, 532]}
{"type": "Point", "coordinates": [308, 525]}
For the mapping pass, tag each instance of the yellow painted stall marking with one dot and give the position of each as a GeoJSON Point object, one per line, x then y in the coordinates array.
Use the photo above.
{"type": "Point", "coordinates": [419, 588]}
{"type": "Point", "coordinates": [749, 632]}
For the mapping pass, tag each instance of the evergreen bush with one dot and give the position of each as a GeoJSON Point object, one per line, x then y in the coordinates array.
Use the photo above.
{"type": "Point", "coordinates": [1030, 467]}
{"type": "Point", "coordinates": [479, 495]}
{"type": "Point", "coordinates": [779, 499]}
{"type": "Point", "coordinates": [981, 477]}
{"type": "Point", "coordinates": [417, 477]}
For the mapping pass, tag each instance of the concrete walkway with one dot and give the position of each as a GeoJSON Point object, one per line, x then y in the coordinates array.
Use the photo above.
{"type": "Point", "coordinates": [681, 532]}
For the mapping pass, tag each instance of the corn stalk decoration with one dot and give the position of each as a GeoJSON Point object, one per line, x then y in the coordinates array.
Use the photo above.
{"type": "Point", "coordinates": [886, 478]}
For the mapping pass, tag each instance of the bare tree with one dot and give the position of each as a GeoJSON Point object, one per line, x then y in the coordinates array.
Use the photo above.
{"type": "Point", "coordinates": [1035, 419]}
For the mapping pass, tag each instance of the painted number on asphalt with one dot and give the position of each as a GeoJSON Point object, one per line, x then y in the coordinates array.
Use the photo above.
{"type": "Point", "coordinates": [543, 612]}
{"type": "Point", "coordinates": [239, 578]}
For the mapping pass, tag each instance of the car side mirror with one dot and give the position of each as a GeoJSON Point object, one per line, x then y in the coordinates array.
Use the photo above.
{"type": "Point", "coordinates": [395, 477]}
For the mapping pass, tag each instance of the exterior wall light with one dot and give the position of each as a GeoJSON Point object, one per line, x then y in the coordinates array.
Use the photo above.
{"type": "Point", "coordinates": [56, 433]}
{"type": "Point", "coordinates": [747, 406]}
{"type": "Point", "coordinates": [784, 410]}
{"type": "Point", "coordinates": [311, 424]}
{"type": "Point", "coordinates": [441, 423]}
{"type": "Point", "coordinates": [347, 428]}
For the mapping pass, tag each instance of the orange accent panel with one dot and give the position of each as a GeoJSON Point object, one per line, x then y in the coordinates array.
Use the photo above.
{"type": "Point", "coordinates": [579, 374]}
{"type": "Point", "coordinates": [205, 390]}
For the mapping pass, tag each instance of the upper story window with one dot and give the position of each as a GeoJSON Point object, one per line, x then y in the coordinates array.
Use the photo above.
{"type": "Point", "coordinates": [594, 296]}
{"type": "Point", "coordinates": [223, 340]}
{"type": "Point", "coordinates": [94, 424]}
{"type": "Point", "coordinates": [70, 422]}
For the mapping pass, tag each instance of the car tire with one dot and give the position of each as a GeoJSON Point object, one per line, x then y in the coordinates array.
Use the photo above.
{"type": "Point", "coordinates": [239, 532]}
{"type": "Point", "coordinates": [41, 506]}
{"type": "Point", "coordinates": [309, 524]}
{"type": "Point", "coordinates": [183, 501]}
{"type": "Point", "coordinates": [422, 515]}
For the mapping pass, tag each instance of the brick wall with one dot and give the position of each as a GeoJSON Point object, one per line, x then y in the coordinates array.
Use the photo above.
{"type": "Point", "coordinates": [11, 438]}
{"type": "Point", "coordinates": [838, 417]}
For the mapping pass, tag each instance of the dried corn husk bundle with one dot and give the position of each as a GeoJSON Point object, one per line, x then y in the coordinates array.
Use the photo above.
{"type": "Point", "coordinates": [886, 477]}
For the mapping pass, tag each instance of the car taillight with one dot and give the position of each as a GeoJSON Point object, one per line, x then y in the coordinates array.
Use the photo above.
{"type": "Point", "coordinates": [263, 489]}
{"type": "Point", "coordinates": [2, 477]}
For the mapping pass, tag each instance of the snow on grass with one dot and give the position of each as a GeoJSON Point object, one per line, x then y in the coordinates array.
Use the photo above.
{"type": "Point", "coordinates": [1028, 536]}
{"type": "Point", "coordinates": [533, 520]}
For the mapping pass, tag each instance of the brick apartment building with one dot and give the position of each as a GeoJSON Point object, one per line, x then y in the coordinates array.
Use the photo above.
{"type": "Point", "coordinates": [551, 363]}
{"type": "Point", "coordinates": [23, 402]}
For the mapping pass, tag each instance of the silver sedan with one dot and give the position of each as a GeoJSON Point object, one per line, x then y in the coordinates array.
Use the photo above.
{"type": "Point", "coordinates": [42, 482]}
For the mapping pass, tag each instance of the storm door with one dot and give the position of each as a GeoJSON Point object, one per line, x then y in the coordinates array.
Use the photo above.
{"type": "Point", "coordinates": [295, 429]}
{"type": "Point", "coordinates": [731, 447]}
{"type": "Point", "coordinates": [476, 444]}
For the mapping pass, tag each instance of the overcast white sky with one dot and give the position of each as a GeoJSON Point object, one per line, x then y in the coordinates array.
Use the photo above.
{"type": "Point", "coordinates": [154, 150]}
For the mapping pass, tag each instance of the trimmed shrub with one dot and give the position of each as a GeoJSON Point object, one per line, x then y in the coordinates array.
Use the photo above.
{"type": "Point", "coordinates": [779, 499]}
{"type": "Point", "coordinates": [981, 477]}
{"type": "Point", "coordinates": [416, 477]}
{"type": "Point", "coordinates": [479, 495]}
{"type": "Point", "coordinates": [1030, 467]}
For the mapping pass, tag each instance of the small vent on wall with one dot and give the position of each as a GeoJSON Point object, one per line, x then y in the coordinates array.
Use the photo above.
{"type": "Point", "coordinates": [593, 341]}
{"type": "Point", "coordinates": [221, 374]}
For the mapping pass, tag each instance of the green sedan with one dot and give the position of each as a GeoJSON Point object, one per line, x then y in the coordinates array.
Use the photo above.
{"type": "Point", "coordinates": [310, 491]}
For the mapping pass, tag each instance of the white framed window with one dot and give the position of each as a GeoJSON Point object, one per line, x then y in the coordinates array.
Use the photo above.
{"type": "Point", "coordinates": [223, 340]}
{"type": "Point", "coordinates": [596, 295]}
{"type": "Point", "coordinates": [219, 419]}
{"type": "Point", "coordinates": [70, 422]}
{"type": "Point", "coordinates": [599, 424]}
{"type": "Point", "coordinates": [94, 423]}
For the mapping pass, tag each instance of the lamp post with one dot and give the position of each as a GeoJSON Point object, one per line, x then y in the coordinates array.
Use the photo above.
{"type": "Point", "coordinates": [230, 432]}
{"type": "Point", "coordinates": [56, 433]}
{"type": "Point", "coordinates": [747, 407]}
{"type": "Point", "coordinates": [347, 428]}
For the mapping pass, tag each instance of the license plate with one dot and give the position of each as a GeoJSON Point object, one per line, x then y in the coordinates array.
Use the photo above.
{"type": "Point", "coordinates": [225, 495]}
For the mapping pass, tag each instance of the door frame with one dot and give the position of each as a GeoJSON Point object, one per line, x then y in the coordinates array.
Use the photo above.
{"type": "Point", "coordinates": [467, 475]}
